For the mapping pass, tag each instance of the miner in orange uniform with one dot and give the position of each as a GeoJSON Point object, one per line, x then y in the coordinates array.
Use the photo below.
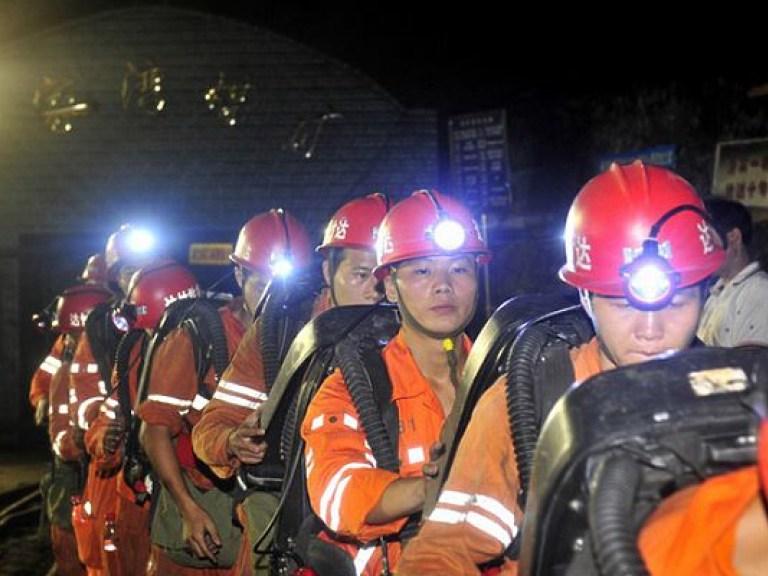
{"type": "Point", "coordinates": [640, 248]}
{"type": "Point", "coordinates": [429, 251]}
{"type": "Point", "coordinates": [194, 500]}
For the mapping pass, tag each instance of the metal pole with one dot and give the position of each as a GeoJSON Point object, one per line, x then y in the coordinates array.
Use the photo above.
{"type": "Point", "coordinates": [487, 274]}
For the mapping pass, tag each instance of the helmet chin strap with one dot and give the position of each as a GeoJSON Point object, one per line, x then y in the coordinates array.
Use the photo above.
{"type": "Point", "coordinates": [586, 301]}
{"type": "Point", "coordinates": [418, 325]}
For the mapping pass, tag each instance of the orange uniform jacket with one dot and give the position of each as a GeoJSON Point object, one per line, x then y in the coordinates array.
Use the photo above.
{"type": "Point", "coordinates": [173, 400]}
{"type": "Point", "coordinates": [132, 524]}
{"type": "Point", "coordinates": [477, 515]}
{"type": "Point", "coordinates": [342, 479]}
{"type": "Point", "coordinates": [61, 427]}
{"type": "Point", "coordinates": [692, 533]}
{"type": "Point", "coordinates": [240, 391]}
{"type": "Point", "coordinates": [89, 388]}
{"type": "Point", "coordinates": [40, 384]}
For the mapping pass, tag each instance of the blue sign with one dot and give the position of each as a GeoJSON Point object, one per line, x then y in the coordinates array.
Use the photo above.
{"type": "Point", "coordinates": [479, 159]}
{"type": "Point", "coordinates": [664, 156]}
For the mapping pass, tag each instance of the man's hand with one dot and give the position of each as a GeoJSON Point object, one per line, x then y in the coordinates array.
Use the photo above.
{"type": "Point", "coordinates": [432, 468]}
{"type": "Point", "coordinates": [113, 436]}
{"type": "Point", "coordinates": [41, 412]}
{"type": "Point", "coordinates": [246, 442]}
{"type": "Point", "coordinates": [200, 533]}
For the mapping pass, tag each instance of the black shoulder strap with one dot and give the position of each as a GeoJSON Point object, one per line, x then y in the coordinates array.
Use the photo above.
{"type": "Point", "coordinates": [209, 343]}
{"type": "Point", "coordinates": [102, 340]}
{"type": "Point", "coordinates": [382, 394]}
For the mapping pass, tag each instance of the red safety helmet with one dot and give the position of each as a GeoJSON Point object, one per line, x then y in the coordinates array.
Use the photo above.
{"type": "Point", "coordinates": [356, 224]}
{"type": "Point", "coordinates": [128, 244]}
{"type": "Point", "coordinates": [74, 305]}
{"type": "Point", "coordinates": [155, 287]}
{"type": "Point", "coordinates": [270, 238]}
{"type": "Point", "coordinates": [629, 211]}
{"type": "Point", "coordinates": [427, 223]}
{"type": "Point", "coordinates": [95, 271]}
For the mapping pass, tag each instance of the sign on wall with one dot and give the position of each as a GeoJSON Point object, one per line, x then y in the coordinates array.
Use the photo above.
{"type": "Point", "coordinates": [741, 171]}
{"type": "Point", "coordinates": [210, 254]}
{"type": "Point", "coordinates": [479, 159]}
{"type": "Point", "coordinates": [665, 156]}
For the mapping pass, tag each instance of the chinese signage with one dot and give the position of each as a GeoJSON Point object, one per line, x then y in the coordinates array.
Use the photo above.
{"type": "Point", "coordinates": [479, 159]}
{"type": "Point", "coordinates": [210, 254]}
{"type": "Point", "coordinates": [664, 156]}
{"type": "Point", "coordinates": [741, 171]}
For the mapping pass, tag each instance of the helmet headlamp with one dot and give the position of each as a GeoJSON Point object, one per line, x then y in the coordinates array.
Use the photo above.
{"type": "Point", "coordinates": [649, 280]}
{"type": "Point", "coordinates": [124, 317]}
{"type": "Point", "coordinates": [449, 234]}
{"type": "Point", "coordinates": [281, 267]}
{"type": "Point", "coordinates": [141, 241]}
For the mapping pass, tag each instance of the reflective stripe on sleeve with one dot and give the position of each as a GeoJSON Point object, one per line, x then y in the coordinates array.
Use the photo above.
{"type": "Point", "coordinates": [50, 365]}
{"type": "Point", "coordinates": [489, 516]}
{"type": "Point", "coordinates": [57, 443]}
{"type": "Point", "coordinates": [236, 400]}
{"type": "Point", "coordinates": [241, 390]}
{"type": "Point", "coordinates": [162, 399]}
{"type": "Point", "coordinates": [81, 422]}
{"type": "Point", "coordinates": [239, 395]}
{"type": "Point", "coordinates": [330, 498]}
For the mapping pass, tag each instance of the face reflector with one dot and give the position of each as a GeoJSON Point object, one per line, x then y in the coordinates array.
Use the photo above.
{"type": "Point", "coordinates": [449, 235]}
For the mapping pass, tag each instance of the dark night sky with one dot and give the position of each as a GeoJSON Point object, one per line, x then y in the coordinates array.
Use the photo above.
{"type": "Point", "coordinates": [476, 56]}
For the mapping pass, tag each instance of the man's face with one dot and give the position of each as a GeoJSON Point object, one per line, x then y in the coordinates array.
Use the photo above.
{"type": "Point", "coordinates": [353, 282]}
{"type": "Point", "coordinates": [252, 284]}
{"type": "Point", "coordinates": [124, 275]}
{"type": "Point", "coordinates": [439, 292]}
{"type": "Point", "coordinates": [629, 335]}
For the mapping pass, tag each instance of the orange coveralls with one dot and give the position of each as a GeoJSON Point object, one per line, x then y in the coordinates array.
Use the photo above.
{"type": "Point", "coordinates": [99, 496]}
{"type": "Point", "coordinates": [241, 390]}
{"type": "Point", "coordinates": [343, 482]}
{"type": "Point", "coordinates": [692, 533]}
{"type": "Point", "coordinates": [62, 436]}
{"type": "Point", "coordinates": [40, 384]}
{"type": "Point", "coordinates": [173, 401]}
{"type": "Point", "coordinates": [477, 516]}
{"type": "Point", "coordinates": [132, 520]}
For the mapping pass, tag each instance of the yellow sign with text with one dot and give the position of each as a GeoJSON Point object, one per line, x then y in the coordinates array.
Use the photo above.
{"type": "Point", "coordinates": [214, 254]}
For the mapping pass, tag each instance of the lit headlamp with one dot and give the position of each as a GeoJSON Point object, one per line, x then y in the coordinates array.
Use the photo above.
{"type": "Point", "coordinates": [649, 281]}
{"type": "Point", "coordinates": [124, 317]}
{"type": "Point", "coordinates": [448, 234]}
{"type": "Point", "coordinates": [281, 268]}
{"type": "Point", "coordinates": [141, 241]}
